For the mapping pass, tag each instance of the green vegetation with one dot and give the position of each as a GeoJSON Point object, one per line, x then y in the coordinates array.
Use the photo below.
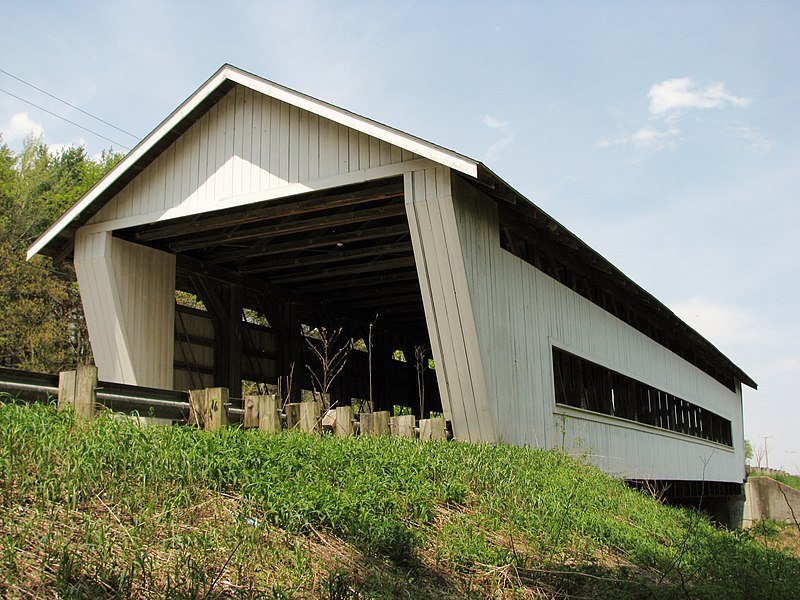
{"type": "Point", "coordinates": [792, 481]}
{"type": "Point", "coordinates": [41, 318]}
{"type": "Point", "coordinates": [114, 509]}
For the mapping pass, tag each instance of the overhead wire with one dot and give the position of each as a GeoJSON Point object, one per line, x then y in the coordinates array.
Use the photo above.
{"type": "Point", "coordinates": [100, 135]}
{"type": "Point", "coordinates": [88, 114]}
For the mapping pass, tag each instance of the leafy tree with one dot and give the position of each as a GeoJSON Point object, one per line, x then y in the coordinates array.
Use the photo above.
{"type": "Point", "coordinates": [41, 319]}
{"type": "Point", "coordinates": [748, 451]}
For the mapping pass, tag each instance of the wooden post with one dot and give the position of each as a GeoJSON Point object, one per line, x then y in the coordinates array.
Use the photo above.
{"type": "Point", "coordinates": [292, 415]}
{"type": "Point", "coordinates": [216, 408]}
{"type": "Point", "coordinates": [209, 408]}
{"type": "Point", "coordinates": [269, 414]}
{"type": "Point", "coordinates": [375, 423]}
{"type": "Point", "coordinates": [343, 421]}
{"type": "Point", "coordinates": [78, 390]}
{"type": "Point", "coordinates": [310, 419]}
{"type": "Point", "coordinates": [403, 426]}
{"type": "Point", "coordinates": [66, 389]}
{"type": "Point", "coordinates": [85, 391]}
{"type": "Point", "coordinates": [432, 429]}
{"type": "Point", "coordinates": [252, 409]}
{"type": "Point", "coordinates": [365, 423]}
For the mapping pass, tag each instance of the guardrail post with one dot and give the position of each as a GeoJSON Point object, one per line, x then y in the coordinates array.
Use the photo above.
{"type": "Point", "coordinates": [292, 414]}
{"type": "Point", "coordinates": [432, 429]}
{"type": "Point", "coordinates": [269, 413]}
{"type": "Point", "coordinates": [310, 419]}
{"type": "Point", "coordinates": [66, 389]}
{"type": "Point", "coordinates": [374, 423]}
{"type": "Point", "coordinates": [209, 408]}
{"type": "Point", "coordinates": [403, 426]}
{"type": "Point", "coordinates": [343, 421]}
{"type": "Point", "coordinates": [78, 389]}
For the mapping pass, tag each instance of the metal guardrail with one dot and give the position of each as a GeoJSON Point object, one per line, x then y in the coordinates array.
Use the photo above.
{"type": "Point", "coordinates": [118, 397]}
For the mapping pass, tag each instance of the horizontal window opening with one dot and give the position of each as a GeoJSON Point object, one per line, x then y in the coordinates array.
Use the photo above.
{"type": "Point", "coordinates": [583, 384]}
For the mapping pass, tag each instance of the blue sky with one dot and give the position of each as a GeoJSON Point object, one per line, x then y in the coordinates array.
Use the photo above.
{"type": "Point", "coordinates": [665, 134]}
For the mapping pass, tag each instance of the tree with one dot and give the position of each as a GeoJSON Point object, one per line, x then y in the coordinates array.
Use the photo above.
{"type": "Point", "coordinates": [748, 451]}
{"type": "Point", "coordinates": [41, 318]}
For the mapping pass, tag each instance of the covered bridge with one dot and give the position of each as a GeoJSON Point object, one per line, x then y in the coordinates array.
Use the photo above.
{"type": "Point", "coordinates": [254, 196]}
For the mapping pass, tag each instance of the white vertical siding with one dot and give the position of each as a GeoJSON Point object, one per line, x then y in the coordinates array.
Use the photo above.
{"type": "Point", "coordinates": [448, 311]}
{"type": "Point", "coordinates": [128, 294]}
{"type": "Point", "coordinates": [520, 313]}
{"type": "Point", "coordinates": [247, 143]}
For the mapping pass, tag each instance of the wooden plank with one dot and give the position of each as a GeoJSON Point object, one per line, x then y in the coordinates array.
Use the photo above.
{"type": "Point", "coordinates": [326, 258]}
{"type": "Point", "coordinates": [292, 175]}
{"type": "Point", "coordinates": [275, 144]}
{"type": "Point", "coordinates": [237, 154]}
{"type": "Point", "coordinates": [382, 265]}
{"type": "Point", "coordinates": [303, 148]}
{"type": "Point", "coordinates": [314, 224]}
{"type": "Point", "coordinates": [362, 282]}
{"type": "Point", "coordinates": [267, 211]}
{"type": "Point", "coordinates": [307, 243]}
{"type": "Point", "coordinates": [313, 147]}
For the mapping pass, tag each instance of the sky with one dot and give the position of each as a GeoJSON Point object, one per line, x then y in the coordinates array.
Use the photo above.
{"type": "Point", "coordinates": [665, 134]}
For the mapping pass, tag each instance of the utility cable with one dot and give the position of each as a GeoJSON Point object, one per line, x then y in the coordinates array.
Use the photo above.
{"type": "Point", "coordinates": [65, 119]}
{"type": "Point", "coordinates": [88, 114]}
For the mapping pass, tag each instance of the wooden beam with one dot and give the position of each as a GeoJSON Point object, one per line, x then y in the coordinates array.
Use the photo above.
{"type": "Point", "coordinates": [327, 258]}
{"type": "Point", "coordinates": [263, 249]}
{"type": "Point", "coordinates": [377, 293]}
{"type": "Point", "coordinates": [363, 282]}
{"type": "Point", "coordinates": [299, 226]}
{"type": "Point", "coordinates": [387, 301]}
{"type": "Point", "coordinates": [268, 211]}
{"type": "Point", "coordinates": [395, 263]}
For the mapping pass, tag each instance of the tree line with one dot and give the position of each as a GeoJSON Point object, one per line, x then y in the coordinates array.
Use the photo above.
{"type": "Point", "coordinates": [42, 327]}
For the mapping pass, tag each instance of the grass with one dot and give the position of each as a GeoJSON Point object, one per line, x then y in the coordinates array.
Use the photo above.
{"type": "Point", "coordinates": [117, 510]}
{"type": "Point", "coordinates": [793, 481]}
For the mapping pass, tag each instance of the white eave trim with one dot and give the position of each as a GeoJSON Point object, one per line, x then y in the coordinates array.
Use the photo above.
{"type": "Point", "coordinates": [382, 132]}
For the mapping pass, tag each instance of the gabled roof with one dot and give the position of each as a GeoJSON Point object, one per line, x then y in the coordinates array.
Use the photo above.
{"type": "Point", "coordinates": [57, 240]}
{"type": "Point", "coordinates": [192, 109]}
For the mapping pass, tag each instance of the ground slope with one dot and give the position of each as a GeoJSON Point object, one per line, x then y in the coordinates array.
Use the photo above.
{"type": "Point", "coordinates": [112, 509]}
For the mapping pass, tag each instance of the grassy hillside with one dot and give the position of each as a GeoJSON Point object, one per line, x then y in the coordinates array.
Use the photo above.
{"type": "Point", "coordinates": [790, 480]}
{"type": "Point", "coordinates": [116, 510]}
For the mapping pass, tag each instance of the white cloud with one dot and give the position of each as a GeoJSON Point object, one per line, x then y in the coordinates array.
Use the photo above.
{"type": "Point", "coordinates": [495, 123]}
{"type": "Point", "coordinates": [681, 93]}
{"type": "Point", "coordinates": [646, 137]}
{"type": "Point", "coordinates": [668, 100]}
{"type": "Point", "coordinates": [19, 127]}
{"type": "Point", "coordinates": [496, 148]}
{"type": "Point", "coordinates": [753, 139]}
{"type": "Point", "coordinates": [57, 149]}
{"type": "Point", "coordinates": [494, 151]}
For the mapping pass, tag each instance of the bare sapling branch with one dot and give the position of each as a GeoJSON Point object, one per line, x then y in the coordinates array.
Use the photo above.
{"type": "Point", "coordinates": [420, 361]}
{"type": "Point", "coordinates": [331, 351]}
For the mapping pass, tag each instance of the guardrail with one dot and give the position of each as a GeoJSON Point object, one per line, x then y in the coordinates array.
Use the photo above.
{"type": "Point", "coordinates": [210, 408]}
{"type": "Point", "coordinates": [118, 397]}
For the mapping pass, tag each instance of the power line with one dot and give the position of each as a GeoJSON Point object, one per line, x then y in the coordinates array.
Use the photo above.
{"type": "Point", "coordinates": [88, 114]}
{"type": "Point", "coordinates": [65, 119]}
